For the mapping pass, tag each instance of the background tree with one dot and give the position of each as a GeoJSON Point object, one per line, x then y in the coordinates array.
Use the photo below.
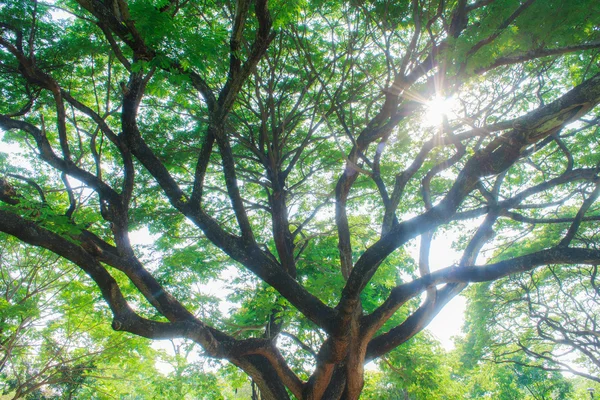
{"type": "Point", "coordinates": [420, 369]}
{"type": "Point", "coordinates": [285, 149]}
{"type": "Point", "coordinates": [509, 381]}
{"type": "Point", "coordinates": [546, 319]}
{"type": "Point", "coordinates": [51, 346]}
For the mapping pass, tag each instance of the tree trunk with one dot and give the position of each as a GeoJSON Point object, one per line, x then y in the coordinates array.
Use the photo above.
{"type": "Point", "coordinates": [264, 376]}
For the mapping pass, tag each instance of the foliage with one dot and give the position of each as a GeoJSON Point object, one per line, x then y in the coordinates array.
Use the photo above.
{"type": "Point", "coordinates": [513, 381]}
{"type": "Point", "coordinates": [544, 319]}
{"type": "Point", "coordinates": [52, 346]}
{"type": "Point", "coordinates": [280, 158]}
{"type": "Point", "coordinates": [420, 369]}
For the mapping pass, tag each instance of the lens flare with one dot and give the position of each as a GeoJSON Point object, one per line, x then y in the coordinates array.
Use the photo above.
{"type": "Point", "coordinates": [436, 109]}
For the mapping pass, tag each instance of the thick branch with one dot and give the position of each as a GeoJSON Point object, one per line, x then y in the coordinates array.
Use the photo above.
{"type": "Point", "coordinates": [538, 53]}
{"type": "Point", "coordinates": [498, 156]}
{"type": "Point", "coordinates": [383, 343]}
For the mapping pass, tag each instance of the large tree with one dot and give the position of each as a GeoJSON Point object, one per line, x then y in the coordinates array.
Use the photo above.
{"type": "Point", "coordinates": [299, 141]}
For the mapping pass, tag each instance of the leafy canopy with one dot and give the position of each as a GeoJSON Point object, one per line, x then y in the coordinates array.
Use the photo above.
{"type": "Point", "coordinates": [280, 157]}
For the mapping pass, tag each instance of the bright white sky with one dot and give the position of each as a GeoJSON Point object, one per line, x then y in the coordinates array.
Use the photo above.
{"type": "Point", "coordinates": [449, 321]}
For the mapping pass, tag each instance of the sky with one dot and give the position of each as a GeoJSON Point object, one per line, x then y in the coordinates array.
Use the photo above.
{"type": "Point", "coordinates": [448, 323]}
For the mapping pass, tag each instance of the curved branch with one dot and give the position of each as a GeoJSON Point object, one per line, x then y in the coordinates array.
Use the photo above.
{"type": "Point", "coordinates": [580, 215]}
{"type": "Point", "coordinates": [538, 53]}
{"type": "Point", "coordinates": [466, 274]}
{"type": "Point", "coordinates": [124, 317]}
{"type": "Point", "coordinates": [48, 155]}
{"type": "Point", "coordinates": [505, 24]}
{"type": "Point", "coordinates": [31, 183]}
{"type": "Point", "coordinates": [499, 155]}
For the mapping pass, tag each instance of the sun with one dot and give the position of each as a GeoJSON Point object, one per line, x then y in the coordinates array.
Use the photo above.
{"type": "Point", "coordinates": [437, 108]}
